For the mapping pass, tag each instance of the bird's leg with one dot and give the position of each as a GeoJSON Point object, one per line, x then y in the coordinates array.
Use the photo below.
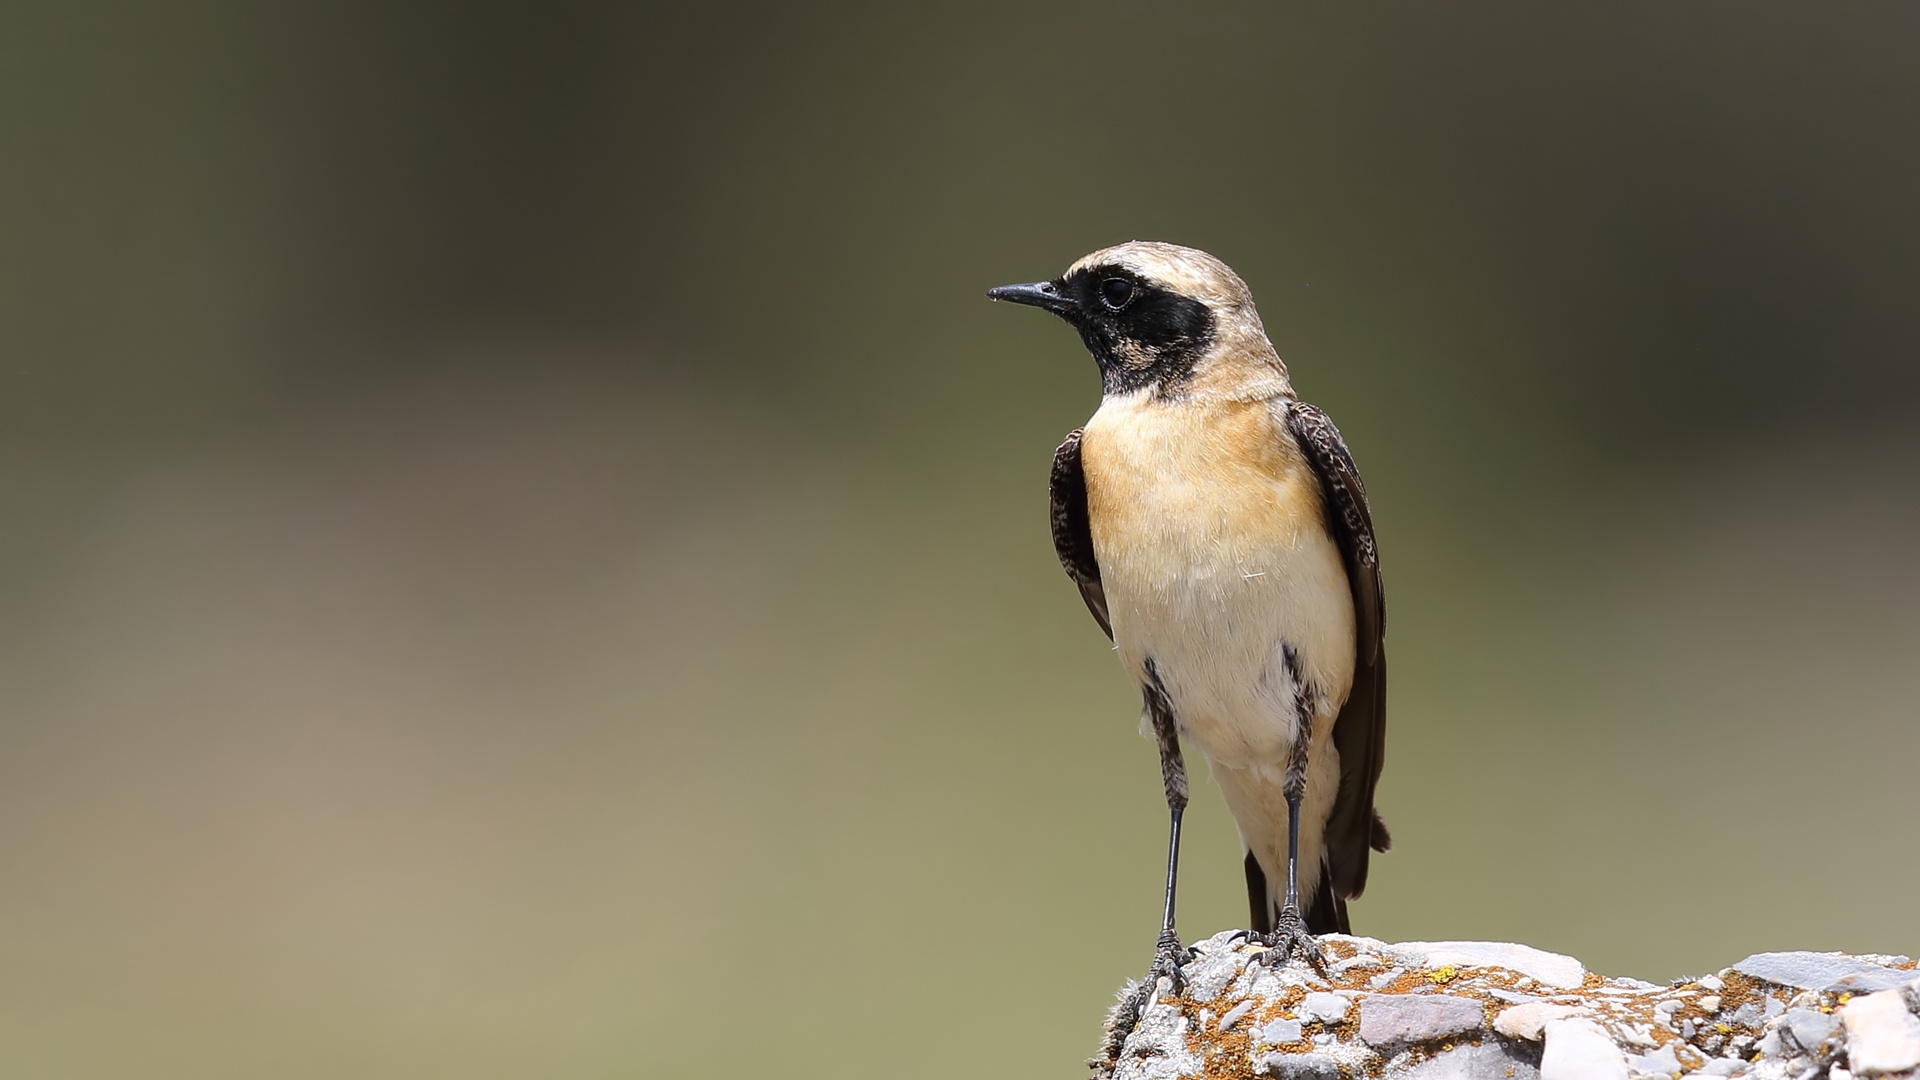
{"type": "Point", "coordinates": [1168, 953]}
{"type": "Point", "coordinates": [1290, 936]}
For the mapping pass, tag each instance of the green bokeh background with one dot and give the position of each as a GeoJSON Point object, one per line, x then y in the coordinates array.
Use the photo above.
{"type": "Point", "coordinates": [522, 545]}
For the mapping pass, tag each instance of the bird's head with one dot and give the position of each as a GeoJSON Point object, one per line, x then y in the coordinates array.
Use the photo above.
{"type": "Point", "coordinates": [1163, 319]}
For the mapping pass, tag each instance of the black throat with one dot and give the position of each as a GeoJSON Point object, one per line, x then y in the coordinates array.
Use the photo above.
{"type": "Point", "coordinates": [1155, 338]}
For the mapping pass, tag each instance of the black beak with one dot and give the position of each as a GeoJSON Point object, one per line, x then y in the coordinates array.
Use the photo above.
{"type": "Point", "coordinates": [1040, 294]}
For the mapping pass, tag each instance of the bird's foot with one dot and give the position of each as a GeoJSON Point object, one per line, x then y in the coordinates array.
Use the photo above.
{"type": "Point", "coordinates": [1290, 940]}
{"type": "Point", "coordinates": [1168, 955]}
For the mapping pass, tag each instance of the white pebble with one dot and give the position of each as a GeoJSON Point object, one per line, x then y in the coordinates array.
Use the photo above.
{"type": "Point", "coordinates": [1580, 1050]}
{"type": "Point", "coordinates": [1326, 1008]}
{"type": "Point", "coordinates": [1527, 1021]}
{"type": "Point", "coordinates": [1882, 1036]}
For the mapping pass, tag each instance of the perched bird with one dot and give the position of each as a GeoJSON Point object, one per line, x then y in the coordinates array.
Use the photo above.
{"type": "Point", "coordinates": [1219, 533]}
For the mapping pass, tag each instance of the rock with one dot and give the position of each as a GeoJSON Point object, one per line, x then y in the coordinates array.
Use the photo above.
{"type": "Point", "coordinates": [1300, 1067]}
{"type": "Point", "coordinates": [1209, 973]}
{"type": "Point", "coordinates": [1158, 1045]}
{"type": "Point", "coordinates": [1640, 1035]}
{"type": "Point", "coordinates": [1279, 1032]}
{"type": "Point", "coordinates": [1419, 1012]}
{"type": "Point", "coordinates": [1399, 1019]}
{"type": "Point", "coordinates": [1325, 1008]}
{"type": "Point", "coordinates": [1470, 1062]}
{"type": "Point", "coordinates": [1882, 1036]}
{"type": "Point", "coordinates": [1561, 972]}
{"type": "Point", "coordinates": [1529, 1021]}
{"type": "Point", "coordinates": [1663, 1063]}
{"type": "Point", "coordinates": [1581, 1050]}
{"type": "Point", "coordinates": [1832, 972]}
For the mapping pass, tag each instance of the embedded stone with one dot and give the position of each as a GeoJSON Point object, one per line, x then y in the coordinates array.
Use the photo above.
{"type": "Point", "coordinates": [1528, 1022]}
{"type": "Point", "coordinates": [1398, 1019]}
{"type": "Point", "coordinates": [1470, 1062]}
{"type": "Point", "coordinates": [1299, 1067]}
{"type": "Point", "coordinates": [1279, 1032]}
{"type": "Point", "coordinates": [1581, 1050]}
{"type": "Point", "coordinates": [1822, 971]}
{"type": "Point", "coordinates": [1882, 1036]}
{"type": "Point", "coordinates": [1561, 972]}
{"type": "Point", "coordinates": [1326, 1008]}
{"type": "Point", "coordinates": [1663, 1063]}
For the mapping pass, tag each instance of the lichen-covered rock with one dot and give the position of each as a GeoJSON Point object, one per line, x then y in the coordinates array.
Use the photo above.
{"type": "Point", "coordinates": [1450, 1009]}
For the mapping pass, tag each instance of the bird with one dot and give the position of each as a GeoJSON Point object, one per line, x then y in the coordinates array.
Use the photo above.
{"type": "Point", "coordinates": [1219, 533]}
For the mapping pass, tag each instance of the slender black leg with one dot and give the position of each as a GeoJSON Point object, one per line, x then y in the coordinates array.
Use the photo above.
{"type": "Point", "coordinates": [1168, 953]}
{"type": "Point", "coordinates": [1293, 793]}
{"type": "Point", "coordinates": [1173, 776]}
{"type": "Point", "coordinates": [1173, 872]}
{"type": "Point", "coordinates": [1290, 935]}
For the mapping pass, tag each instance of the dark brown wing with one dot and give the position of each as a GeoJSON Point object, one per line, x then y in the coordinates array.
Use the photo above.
{"type": "Point", "coordinates": [1360, 733]}
{"type": "Point", "coordinates": [1072, 534]}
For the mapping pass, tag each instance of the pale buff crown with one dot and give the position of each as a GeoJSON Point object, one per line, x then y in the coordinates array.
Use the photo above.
{"type": "Point", "coordinates": [1242, 362]}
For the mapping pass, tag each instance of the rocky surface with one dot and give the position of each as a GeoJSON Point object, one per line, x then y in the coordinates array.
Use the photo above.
{"type": "Point", "coordinates": [1457, 1009]}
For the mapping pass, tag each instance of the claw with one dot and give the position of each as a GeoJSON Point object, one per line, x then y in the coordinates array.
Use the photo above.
{"type": "Point", "coordinates": [1290, 939]}
{"type": "Point", "coordinates": [1168, 955]}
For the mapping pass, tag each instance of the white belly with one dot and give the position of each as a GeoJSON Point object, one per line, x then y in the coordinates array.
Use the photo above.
{"type": "Point", "coordinates": [1219, 635]}
{"type": "Point", "coordinates": [1216, 561]}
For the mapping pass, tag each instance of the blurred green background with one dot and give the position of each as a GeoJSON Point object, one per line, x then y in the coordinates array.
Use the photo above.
{"type": "Point", "coordinates": [523, 548]}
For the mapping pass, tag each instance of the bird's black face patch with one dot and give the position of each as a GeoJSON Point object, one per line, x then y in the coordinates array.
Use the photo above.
{"type": "Point", "coordinates": [1140, 333]}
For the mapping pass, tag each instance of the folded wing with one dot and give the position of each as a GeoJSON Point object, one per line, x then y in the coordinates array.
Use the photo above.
{"type": "Point", "coordinates": [1360, 733]}
{"type": "Point", "coordinates": [1072, 532]}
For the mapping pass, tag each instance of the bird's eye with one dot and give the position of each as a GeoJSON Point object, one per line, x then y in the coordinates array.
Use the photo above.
{"type": "Point", "coordinates": [1115, 292]}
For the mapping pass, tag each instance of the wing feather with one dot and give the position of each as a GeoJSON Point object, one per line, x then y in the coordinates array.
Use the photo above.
{"type": "Point", "coordinates": [1072, 531]}
{"type": "Point", "coordinates": [1360, 733]}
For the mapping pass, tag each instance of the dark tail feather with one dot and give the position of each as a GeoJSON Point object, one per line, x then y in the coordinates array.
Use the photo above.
{"type": "Point", "coordinates": [1327, 914]}
{"type": "Point", "coordinates": [1381, 841]}
{"type": "Point", "coordinates": [1258, 901]}
{"type": "Point", "coordinates": [1326, 911]}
